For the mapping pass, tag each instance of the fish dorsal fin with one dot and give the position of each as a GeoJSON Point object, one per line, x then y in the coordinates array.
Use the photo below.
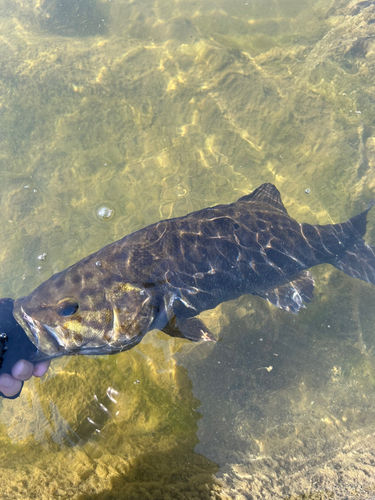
{"type": "Point", "coordinates": [359, 221]}
{"type": "Point", "coordinates": [266, 193]}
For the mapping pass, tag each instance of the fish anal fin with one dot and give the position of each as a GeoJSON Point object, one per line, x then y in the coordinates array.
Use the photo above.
{"type": "Point", "coordinates": [268, 194]}
{"type": "Point", "coordinates": [191, 329]}
{"type": "Point", "coordinates": [293, 294]}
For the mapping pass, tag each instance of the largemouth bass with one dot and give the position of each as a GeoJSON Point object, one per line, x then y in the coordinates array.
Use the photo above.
{"type": "Point", "coordinates": [163, 276]}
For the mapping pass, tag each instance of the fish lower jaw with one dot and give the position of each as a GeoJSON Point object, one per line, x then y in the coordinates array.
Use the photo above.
{"type": "Point", "coordinates": [28, 325]}
{"type": "Point", "coordinates": [49, 343]}
{"type": "Point", "coordinates": [44, 337]}
{"type": "Point", "coordinates": [54, 335]}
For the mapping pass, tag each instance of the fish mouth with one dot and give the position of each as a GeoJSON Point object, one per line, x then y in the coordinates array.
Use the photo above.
{"type": "Point", "coordinates": [44, 337]}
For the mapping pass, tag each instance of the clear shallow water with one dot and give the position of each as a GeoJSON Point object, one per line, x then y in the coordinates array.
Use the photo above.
{"type": "Point", "coordinates": [163, 109]}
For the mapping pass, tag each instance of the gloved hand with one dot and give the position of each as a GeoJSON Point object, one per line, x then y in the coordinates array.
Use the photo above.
{"type": "Point", "coordinates": [17, 353]}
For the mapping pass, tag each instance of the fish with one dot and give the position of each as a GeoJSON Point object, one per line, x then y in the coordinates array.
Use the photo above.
{"type": "Point", "coordinates": [164, 275]}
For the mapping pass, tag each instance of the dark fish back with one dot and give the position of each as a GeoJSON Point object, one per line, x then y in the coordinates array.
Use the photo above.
{"type": "Point", "coordinates": [236, 249]}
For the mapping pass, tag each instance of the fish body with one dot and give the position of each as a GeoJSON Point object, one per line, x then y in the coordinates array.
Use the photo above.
{"type": "Point", "coordinates": [164, 275]}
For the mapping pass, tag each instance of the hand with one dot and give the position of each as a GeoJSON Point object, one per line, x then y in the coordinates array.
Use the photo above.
{"type": "Point", "coordinates": [21, 371]}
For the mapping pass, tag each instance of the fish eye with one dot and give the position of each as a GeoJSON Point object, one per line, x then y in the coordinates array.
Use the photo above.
{"type": "Point", "coordinates": [67, 307]}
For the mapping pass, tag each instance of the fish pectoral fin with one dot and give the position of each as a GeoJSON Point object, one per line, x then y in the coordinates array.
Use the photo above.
{"type": "Point", "coordinates": [191, 329]}
{"type": "Point", "coordinates": [292, 295]}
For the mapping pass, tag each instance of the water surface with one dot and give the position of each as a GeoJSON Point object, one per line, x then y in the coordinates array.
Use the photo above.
{"type": "Point", "coordinates": [154, 109]}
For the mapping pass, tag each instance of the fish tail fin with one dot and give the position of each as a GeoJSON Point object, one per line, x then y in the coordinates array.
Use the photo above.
{"type": "Point", "coordinates": [358, 262]}
{"type": "Point", "coordinates": [359, 259]}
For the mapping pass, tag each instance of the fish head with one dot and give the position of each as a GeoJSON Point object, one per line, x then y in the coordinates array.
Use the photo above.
{"type": "Point", "coordinates": [84, 311]}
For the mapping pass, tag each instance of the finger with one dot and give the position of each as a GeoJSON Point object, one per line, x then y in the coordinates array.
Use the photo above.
{"type": "Point", "coordinates": [8, 385]}
{"type": "Point", "coordinates": [41, 368]}
{"type": "Point", "coordinates": [22, 370]}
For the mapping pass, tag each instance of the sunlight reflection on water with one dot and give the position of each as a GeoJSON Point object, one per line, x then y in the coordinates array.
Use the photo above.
{"type": "Point", "coordinates": [153, 110]}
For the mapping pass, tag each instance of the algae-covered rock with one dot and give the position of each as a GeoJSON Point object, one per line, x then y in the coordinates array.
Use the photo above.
{"type": "Point", "coordinates": [115, 426]}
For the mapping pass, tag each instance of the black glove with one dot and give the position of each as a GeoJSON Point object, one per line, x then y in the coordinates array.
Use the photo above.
{"type": "Point", "coordinates": [14, 343]}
